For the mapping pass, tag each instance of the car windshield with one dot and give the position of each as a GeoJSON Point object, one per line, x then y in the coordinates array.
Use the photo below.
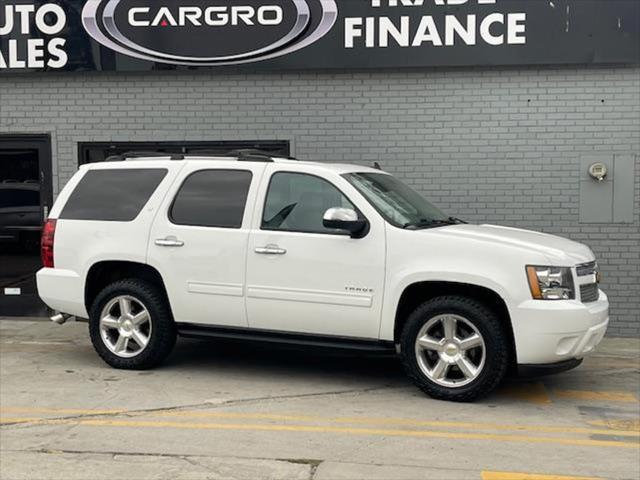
{"type": "Point", "coordinates": [396, 202]}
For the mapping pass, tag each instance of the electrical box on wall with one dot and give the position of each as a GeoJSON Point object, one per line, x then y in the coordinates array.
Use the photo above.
{"type": "Point", "coordinates": [607, 188]}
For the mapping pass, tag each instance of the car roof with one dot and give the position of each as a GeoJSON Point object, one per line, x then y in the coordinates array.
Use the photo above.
{"type": "Point", "coordinates": [169, 160]}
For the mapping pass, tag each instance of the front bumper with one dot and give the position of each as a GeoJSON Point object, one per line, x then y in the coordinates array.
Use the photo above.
{"type": "Point", "coordinates": [537, 370]}
{"type": "Point", "coordinates": [551, 332]}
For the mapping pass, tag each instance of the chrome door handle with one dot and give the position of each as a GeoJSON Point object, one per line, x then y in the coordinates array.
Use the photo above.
{"type": "Point", "coordinates": [169, 242]}
{"type": "Point", "coordinates": [270, 250]}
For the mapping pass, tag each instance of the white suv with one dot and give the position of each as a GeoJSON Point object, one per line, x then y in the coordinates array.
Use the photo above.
{"type": "Point", "coordinates": [317, 254]}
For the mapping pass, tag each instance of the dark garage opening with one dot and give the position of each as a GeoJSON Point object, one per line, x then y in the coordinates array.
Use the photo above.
{"type": "Point", "coordinates": [25, 199]}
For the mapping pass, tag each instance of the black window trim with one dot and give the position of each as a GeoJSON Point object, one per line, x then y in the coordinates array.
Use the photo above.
{"type": "Point", "coordinates": [337, 233]}
{"type": "Point", "coordinates": [225, 169]}
{"type": "Point", "coordinates": [146, 202]}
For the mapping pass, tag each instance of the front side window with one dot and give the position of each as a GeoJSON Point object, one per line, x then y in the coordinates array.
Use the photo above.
{"type": "Point", "coordinates": [396, 202]}
{"type": "Point", "coordinates": [297, 202]}
{"type": "Point", "coordinates": [116, 195]}
{"type": "Point", "coordinates": [212, 198]}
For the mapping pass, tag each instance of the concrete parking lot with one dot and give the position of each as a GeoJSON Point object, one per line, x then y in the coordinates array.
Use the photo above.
{"type": "Point", "coordinates": [245, 411]}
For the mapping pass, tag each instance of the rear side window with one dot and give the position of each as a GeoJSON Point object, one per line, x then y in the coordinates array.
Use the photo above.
{"type": "Point", "coordinates": [112, 195]}
{"type": "Point", "coordinates": [212, 198]}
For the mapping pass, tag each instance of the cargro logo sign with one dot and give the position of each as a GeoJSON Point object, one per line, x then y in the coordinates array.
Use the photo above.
{"type": "Point", "coordinates": [208, 32]}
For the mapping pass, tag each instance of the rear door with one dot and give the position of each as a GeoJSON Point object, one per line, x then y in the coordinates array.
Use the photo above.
{"type": "Point", "coordinates": [199, 240]}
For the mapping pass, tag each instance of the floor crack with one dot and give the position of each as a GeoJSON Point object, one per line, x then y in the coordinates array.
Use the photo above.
{"type": "Point", "coordinates": [313, 464]}
{"type": "Point", "coordinates": [197, 406]}
{"type": "Point", "coordinates": [190, 459]}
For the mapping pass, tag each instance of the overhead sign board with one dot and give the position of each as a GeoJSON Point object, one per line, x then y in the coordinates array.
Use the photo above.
{"type": "Point", "coordinates": [138, 35]}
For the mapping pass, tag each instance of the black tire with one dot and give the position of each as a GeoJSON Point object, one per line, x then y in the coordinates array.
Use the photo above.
{"type": "Point", "coordinates": [488, 325]}
{"type": "Point", "coordinates": [163, 334]}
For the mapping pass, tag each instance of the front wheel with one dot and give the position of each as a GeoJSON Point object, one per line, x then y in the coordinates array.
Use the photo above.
{"type": "Point", "coordinates": [454, 348]}
{"type": "Point", "coordinates": [131, 326]}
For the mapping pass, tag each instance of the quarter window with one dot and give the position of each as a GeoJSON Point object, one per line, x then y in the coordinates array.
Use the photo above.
{"type": "Point", "coordinates": [296, 202]}
{"type": "Point", "coordinates": [116, 195]}
{"type": "Point", "coordinates": [212, 198]}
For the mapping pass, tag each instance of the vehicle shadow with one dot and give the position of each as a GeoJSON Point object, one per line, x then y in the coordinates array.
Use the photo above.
{"type": "Point", "coordinates": [249, 359]}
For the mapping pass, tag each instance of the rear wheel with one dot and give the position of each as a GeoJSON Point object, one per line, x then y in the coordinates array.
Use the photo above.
{"type": "Point", "coordinates": [131, 325]}
{"type": "Point", "coordinates": [454, 348]}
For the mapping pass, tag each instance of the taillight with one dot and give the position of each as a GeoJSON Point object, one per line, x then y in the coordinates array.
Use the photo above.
{"type": "Point", "coordinates": [46, 243]}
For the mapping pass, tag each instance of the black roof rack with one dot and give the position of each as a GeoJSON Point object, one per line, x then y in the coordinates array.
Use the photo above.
{"type": "Point", "coordinates": [254, 155]}
{"type": "Point", "coordinates": [209, 153]}
{"type": "Point", "coordinates": [243, 155]}
{"type": "Point", "coordinates": [142, 154]}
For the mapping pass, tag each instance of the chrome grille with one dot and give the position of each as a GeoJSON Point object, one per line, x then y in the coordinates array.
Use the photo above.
{"type": "Point", "coordinates": [586, 269]}
{"type": "Point", "coordinates": [589, 292]}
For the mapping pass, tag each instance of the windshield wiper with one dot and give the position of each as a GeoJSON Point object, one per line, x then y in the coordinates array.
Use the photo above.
{"type": "Point", "coordinates": [457, 220]}
{"type": "Point", "coordinates": [426, 223]}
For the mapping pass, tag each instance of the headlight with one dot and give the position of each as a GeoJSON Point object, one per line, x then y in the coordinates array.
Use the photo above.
{"type": "Point", "coordinates": [551, 283]}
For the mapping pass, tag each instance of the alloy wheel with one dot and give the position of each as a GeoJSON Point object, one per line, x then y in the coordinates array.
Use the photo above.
{"type": "Point", "coordinates": [450, 350]}
{"type": "Point", "coordinates": [125, 326]}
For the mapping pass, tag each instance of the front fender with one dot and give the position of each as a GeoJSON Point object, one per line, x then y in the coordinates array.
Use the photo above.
{"type": "Point", "coordinates": [446, 255]}
{"type": "Point", "coordinates": [402, 280]}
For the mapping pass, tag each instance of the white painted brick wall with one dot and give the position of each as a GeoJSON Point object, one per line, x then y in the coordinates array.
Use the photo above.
{"type": "Point", "coordinates": [489, 145]}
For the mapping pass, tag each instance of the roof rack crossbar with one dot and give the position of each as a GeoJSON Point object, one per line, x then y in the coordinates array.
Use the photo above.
{"type": "Point", "coordinates": [242, 155]}
{"type": "Point", "coordinates": [142, 154]}
{"type": "Point", "coordinates": [209, 153]}
{"type": "Point", "coordinates": [248, 155]}
{"type": "Point", "coordinates": [251, 154]}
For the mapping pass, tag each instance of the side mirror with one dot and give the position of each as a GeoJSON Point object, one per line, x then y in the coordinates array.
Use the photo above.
{"type": "Point", "coordinates": [345, 219]}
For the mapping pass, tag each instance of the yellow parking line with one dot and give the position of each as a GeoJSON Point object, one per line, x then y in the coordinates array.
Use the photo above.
{"type": "Point", "coordinates": [60, 411]}
{"type": "Point", "coordinates": [4, 421]}
{"type": "Point", "coordinates": [529, 476]}
{"type": "Point", "coordinates": [619, 424]}
{"type": "Point", "coordinates": [343, 430]}
{"type": "Point", "coordinates": [597, 396]}
{"type": "Point", "coordinates": [529, 392]}
{"type": "Point", "coordinates": [625, 432]}
{"type": "Point", "coordinates": [403, 422]}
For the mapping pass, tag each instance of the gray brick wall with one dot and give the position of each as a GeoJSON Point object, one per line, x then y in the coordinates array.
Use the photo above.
{"type": "Point", "coordinates": [489, 145]}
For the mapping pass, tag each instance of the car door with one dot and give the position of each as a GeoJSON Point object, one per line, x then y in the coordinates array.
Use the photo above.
{"type": "Point", "coordinates": [199, 239]}
{"type": "Point", "coordinates": [303, 277]}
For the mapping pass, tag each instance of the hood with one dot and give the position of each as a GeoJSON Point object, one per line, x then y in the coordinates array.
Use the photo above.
{"type": "Point", "coordinates": [560, 251]}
